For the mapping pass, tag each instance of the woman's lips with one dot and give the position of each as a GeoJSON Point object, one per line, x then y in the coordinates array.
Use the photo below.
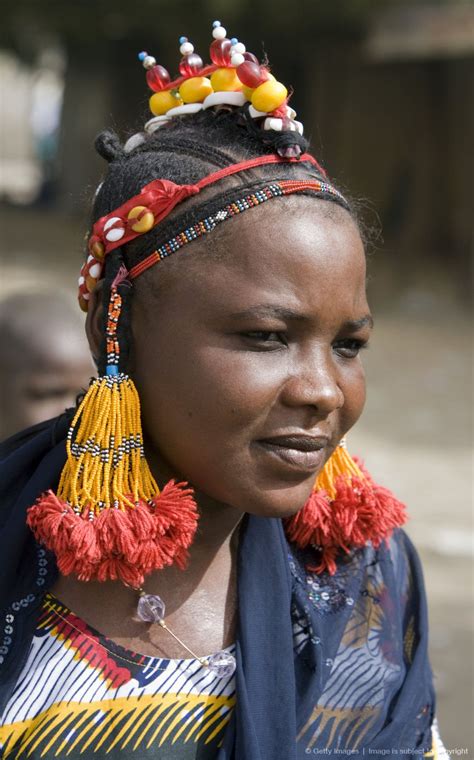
{"type": "Point", "coordinates": [302, 453]}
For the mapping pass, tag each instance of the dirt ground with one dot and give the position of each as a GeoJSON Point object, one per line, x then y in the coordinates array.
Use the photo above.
{"type": "Point", "coordinates": [415, 437]}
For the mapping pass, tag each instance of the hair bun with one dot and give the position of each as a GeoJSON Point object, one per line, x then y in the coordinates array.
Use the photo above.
{"type": "Point", "coordinates": [108, 145]}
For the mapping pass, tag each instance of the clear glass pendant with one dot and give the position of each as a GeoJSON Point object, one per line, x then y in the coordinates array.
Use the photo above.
{"type": "Point", "coordinates": [222, 664]}
{"type": "Point", "coordinates": [151, 608]}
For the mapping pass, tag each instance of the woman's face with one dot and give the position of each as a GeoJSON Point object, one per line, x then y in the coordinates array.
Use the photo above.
{"type": "Point", "coordinates": [247, 364]}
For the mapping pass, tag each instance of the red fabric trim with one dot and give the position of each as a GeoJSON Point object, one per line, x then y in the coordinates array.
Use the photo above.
{"type": "Point", "coordinates": [160, 197]}
{"type": "Point", "coordinates": [142, 266]}
{"type": "Point", "coordinates": [252, 163]}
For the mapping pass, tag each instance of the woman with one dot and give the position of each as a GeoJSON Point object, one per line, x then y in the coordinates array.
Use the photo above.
{"type": "Point", "coordinates": [273, 608]}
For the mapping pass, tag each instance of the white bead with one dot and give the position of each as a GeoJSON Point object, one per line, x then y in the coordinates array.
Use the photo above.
{"type": "Point", "coordinates": [224, 98]}
{"type": "Point", "coordinates": [86, 296]}
{"type": "Point", "coordinates": [237, 59]}
{"type": "Point", "coordinates": [290, 112]}
{"type": "Point", "coordinates": [153, 124]}
{"type": "Point", "coordinates": [149, 62]}
{"type": "Point", "coordinates": [134, 141]}
{"type": "Point", "coordinates": [219, 33]}
{"type": "Point", "coordinates": [239, 47]}
{"type": "Point", "coordinates": [256, 114]}
{"type": "Point", "coordinates": [275, 124]}
{"type": "Point", "coordinates": [95, 271]}
{"type": "Point", "coordinates": [81, 280]}
{"type": "Point", "coordinates": [90, 258]}
{"type": "Point", "coordinates": [107, 226]}
{"type": "Point", "coordinates": [186, 108]}
{"type": "Point", "coordinates": [186, 48]}
{"type": "Point", "coordinates": [114, 235]}
{"type": "Point", "coordinates": [299, 127]}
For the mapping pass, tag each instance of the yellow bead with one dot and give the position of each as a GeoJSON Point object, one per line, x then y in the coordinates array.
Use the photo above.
{"type": "Point", "coordinates": [269, 95]}
{"type": "Point", "coordinates": [225, 80]}
{"type": "Point", "coordinates": [97, 250]}
{"type": "Point", "coordinates": [161, 102]}
{"type": "Point", "coordinates": [146, 220]}
{"type": "Point", "coordinates": [194, 90]}
{"type": "Point", "coordinates": [83, 304]}
{"type": "Point", "coordinates": [91, 282]}
{"type": "Point", "coordinates": [248, 92]}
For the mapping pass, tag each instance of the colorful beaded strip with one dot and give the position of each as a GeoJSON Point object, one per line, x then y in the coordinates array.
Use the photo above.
{"type": "Point", "coordinates": [275, 190]}
{"type": "Point", "coordinates": [113, 348]}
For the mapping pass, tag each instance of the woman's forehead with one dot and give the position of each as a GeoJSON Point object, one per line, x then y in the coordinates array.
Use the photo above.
{"type": "Point", "coordinates": [290, 257]}
{"type": "Point", "coordinates": [260, 228]}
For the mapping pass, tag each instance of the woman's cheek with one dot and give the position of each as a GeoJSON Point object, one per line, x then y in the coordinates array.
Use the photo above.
{"type": "Point", "coordinates": [238, 377]}
{"type": "Point", "coordinates": [354, 389]}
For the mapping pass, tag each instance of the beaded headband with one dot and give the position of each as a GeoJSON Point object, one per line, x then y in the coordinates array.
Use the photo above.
{"type": "Point", "coordinates": [158, 198]}
{"type": "Point", "coordinates": [233, 78]}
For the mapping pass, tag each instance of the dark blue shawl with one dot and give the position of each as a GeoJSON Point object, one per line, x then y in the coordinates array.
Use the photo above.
{"type": "Point", "coordinates": [324, 664]}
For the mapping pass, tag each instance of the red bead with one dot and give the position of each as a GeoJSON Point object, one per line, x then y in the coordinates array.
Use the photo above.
{"type": "Point", "coordinates": [251, 57]}
{"type": "Point", "coordinates": [158, 78]}
{"type": "Point", "coordinates": [250, 74]}
{"type": "Point", "coordinates": [220, 52]}
{"type": "Point", "coordinates": [190, 65]}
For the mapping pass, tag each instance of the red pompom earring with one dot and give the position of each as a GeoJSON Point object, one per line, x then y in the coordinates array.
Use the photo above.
{"type": "Point", "coordinates": [345, 510]}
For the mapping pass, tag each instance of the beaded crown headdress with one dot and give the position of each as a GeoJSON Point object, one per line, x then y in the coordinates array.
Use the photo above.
{"type": "Point", "coordinates": [233, 78]}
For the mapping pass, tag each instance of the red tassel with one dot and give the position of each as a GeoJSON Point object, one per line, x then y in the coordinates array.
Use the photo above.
{"type": "Point", "coordinates": [361, 511]}
{"type": "Point", "coordinates": [312, 523]}
{"type": "Point", "coordinates": [83, 541]}
{"type": "Point", "coordinates": [175, 505]}
{"type": "Point", "coordinates": [116, 568]}
{"type": "Point", "coordinates": [115, 532]}
{"type": "Point", "coordinates": [118, 544]}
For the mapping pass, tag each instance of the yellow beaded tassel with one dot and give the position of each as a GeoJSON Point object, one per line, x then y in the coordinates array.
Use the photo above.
{"type": "Point", "coordinates": [339, 464]}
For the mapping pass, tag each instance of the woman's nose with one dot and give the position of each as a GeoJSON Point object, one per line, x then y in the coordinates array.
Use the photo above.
{"type": "Point", "coordinates": [314, 382]}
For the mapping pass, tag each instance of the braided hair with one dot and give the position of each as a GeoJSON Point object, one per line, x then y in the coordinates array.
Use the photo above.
{"type": "Point", "coordinates": [184, 151]}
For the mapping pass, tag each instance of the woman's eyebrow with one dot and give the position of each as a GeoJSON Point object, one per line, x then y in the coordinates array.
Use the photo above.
{"type": "Point", "coordinates": [282, 312]}
{"type": "Point", "coordinates": [352, 325]}
{"type": "Point", "coordinates": [268, 310]}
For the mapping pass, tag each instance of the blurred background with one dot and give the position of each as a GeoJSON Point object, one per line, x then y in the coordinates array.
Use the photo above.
{"type": "Point", "coordinates": [385, 90]}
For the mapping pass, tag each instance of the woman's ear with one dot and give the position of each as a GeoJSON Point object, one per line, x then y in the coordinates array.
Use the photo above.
{"type": "Point", "coordinates": [95, 321]}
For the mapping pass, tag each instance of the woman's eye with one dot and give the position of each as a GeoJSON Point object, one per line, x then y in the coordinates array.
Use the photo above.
{"type": "Point", "coordinates": [264, 336]}
{"type": "Point", "coordinates": [350, 348]}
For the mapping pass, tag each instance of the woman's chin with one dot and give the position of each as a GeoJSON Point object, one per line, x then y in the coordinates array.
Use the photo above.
{"type": "Point", "coordinates": [281, 504]}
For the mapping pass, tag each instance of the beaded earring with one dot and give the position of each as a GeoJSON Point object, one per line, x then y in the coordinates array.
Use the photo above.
{"type": "Point", "coordinates": [345, 510]}
{"type": "Point", "coordinates": [108, 519]}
